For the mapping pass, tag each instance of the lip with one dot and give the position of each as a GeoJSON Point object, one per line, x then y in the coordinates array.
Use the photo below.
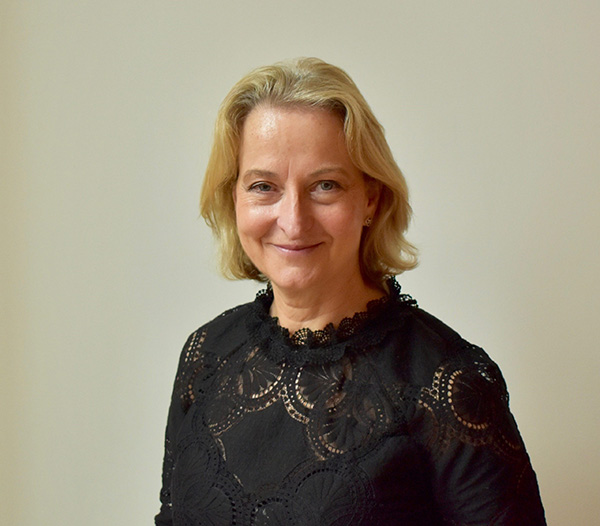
{"type": "Point", "coordinates": [295, 249]}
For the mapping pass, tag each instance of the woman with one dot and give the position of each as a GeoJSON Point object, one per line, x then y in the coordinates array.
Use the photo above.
{"type": "Point", "coordinates": [332, 398]}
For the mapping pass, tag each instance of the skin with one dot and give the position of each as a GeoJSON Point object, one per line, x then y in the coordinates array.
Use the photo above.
{"type": "Point", "coordinates": [300, 208]}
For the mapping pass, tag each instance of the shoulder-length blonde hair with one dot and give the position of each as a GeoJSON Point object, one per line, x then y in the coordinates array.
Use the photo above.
{"type": "Point", "coordinates": [309, 82]}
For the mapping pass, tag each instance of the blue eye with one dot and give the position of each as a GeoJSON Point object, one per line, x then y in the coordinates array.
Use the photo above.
{"type": "Point", "coordinates": [261, 187]}
{"type": "Point", "coordinates": [328, 185]}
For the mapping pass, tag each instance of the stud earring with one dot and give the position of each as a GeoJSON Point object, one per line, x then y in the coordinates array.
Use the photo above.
{"type": "Point", "coordinates": [368, 221]}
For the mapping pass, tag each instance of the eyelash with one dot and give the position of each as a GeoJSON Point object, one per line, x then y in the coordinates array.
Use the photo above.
{"type": "Point", "coordinates": [334, 185]}
{"type": "Point", "coordinates": [264, 187]}
{"type": "Point", "coordinates": [260, 187]}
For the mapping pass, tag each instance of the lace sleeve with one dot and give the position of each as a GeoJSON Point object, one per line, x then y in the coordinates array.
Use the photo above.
{"type": "Point", "coordinates": [481, 472]}
{"type": "Point", "coordinates": [191, 363]}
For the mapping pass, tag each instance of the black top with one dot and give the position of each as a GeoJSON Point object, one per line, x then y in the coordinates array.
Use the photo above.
{"type": "Point", "coordinates": [392, 418]}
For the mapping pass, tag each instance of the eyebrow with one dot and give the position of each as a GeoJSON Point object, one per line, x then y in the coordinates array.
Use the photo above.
{"type": "Point", "coordinates": [259, 173]}
{"type": "Point", "coordinates": [267, 173]}
{"type": "Point", "coordinates": [329, 169]}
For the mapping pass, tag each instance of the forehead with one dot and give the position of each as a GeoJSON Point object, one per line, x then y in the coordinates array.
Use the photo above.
{"type": "Point", "coordinates": [269, 117]}
{"type": "Point", "coordinates": [281, 131]}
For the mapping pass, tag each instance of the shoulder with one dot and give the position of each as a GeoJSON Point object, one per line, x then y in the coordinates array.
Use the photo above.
{"type": "Point", "coordinates": [228, 328]}
{"type": "Point", "coordinates": [417, 332]}
{"type": "Point", "coordinates": [459, 383]}
{"type": "Point", "coordinates": [206, 348]}
{"type": "Point", "coordinates": [424, 345]}
{"type": "Point", "coordinates": [423, 327]}
{"type": "Point", "coordinates": [456, 386]}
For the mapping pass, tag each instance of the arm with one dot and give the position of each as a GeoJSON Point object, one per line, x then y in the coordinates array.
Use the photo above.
{"type": "Point", "coordinates": [164, 518]}
{"type": "Point", "coordinates": [191, 363]}
{"type": "Point", "coordinates": [481, 473]}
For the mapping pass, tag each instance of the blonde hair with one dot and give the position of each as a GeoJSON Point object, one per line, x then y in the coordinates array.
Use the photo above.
{"type": "Point", "coordinates": [312, 83]}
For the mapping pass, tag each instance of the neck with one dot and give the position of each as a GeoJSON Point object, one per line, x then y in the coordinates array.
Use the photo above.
{"type": "Point", "coordinates": [315, 309]}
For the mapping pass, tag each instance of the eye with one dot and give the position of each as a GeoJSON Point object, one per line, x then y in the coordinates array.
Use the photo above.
{"type": "Point", "coordinates": [327, 186]}
{"type": "Point", "coordinates": [261, 187]}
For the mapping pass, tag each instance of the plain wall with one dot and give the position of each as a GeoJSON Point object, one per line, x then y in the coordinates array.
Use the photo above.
{"type": "Point", "coordinates": [492, 110]}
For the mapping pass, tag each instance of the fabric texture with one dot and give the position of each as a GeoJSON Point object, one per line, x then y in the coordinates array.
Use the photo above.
{"type": "Point", "coordinates": [390, 419]}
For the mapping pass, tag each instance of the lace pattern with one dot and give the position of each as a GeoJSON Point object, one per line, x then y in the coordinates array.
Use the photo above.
{"type": "Point", "coordinates": [206, 492]}
{"type": "Point", "coordinates": [329, 344]}
{"type": "Point", "coordinates": [343, 431]}
{"type": "Point", "coordinates": [468, 401]}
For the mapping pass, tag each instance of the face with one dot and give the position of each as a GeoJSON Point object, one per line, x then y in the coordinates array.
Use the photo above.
{"type": "Point", "coordinates": [300, 203]}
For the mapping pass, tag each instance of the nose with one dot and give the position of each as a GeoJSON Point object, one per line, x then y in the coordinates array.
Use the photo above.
{"type": "Point", "coordinates": [294, 215]}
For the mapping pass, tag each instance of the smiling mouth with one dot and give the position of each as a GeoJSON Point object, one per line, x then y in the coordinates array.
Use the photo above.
{"type": "Point", "coordinates": [295, 249]}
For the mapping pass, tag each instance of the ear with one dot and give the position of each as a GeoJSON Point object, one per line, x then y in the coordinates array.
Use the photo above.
{"type": "Point", "coordinates": [373, 187]}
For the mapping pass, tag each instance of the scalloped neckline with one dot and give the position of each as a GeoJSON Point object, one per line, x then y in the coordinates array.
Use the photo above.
{"type": "Point", "coordinates": [327, 344]}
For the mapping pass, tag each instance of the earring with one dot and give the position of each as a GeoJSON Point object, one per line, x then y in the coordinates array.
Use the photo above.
{"type": "Point", "coordinates": [368, 221]}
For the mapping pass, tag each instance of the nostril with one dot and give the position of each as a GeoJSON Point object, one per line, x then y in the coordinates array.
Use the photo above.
{"type": "Point", "coordinates": [294, 217]}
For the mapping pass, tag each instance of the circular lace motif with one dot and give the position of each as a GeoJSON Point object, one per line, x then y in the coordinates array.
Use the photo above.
{"type": "Point", "coordinates": [200, 494]}
{"type": "Point", "coordinates": [213, 507]}
{"type": "Point", "coordinates": [273, 511]}
{"type": "Point", "coordinates": [471, 396]}
{"type": "Point", "coordinates": [250, 382]}
{"type": "Point", "coordinates": [358, 416]}
{"type": "Point", "coordinates": [323, 382]}
{"type": "Point", "coordinates": [469, 402]}
{"type": "Point", "coordinates": [332, 495]}
{"type": "Point", "coordinates": [258, 376]}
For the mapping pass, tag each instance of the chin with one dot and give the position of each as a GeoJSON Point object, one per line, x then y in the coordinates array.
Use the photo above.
{"type": "Point", "coordinates": [295, 281]}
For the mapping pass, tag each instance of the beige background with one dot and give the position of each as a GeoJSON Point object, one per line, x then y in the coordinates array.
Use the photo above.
{"type": "Point", "coordinates": [492, 110]}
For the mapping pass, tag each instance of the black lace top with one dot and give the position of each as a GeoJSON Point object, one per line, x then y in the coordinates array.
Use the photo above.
{"type": "Point", "coordinates": [390, 419]}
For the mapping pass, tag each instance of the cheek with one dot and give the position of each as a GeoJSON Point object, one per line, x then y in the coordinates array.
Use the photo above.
{"type": "Point", "coordinates": [252, 221]}
{"type": "Point", "coordinates": [343, 223]}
